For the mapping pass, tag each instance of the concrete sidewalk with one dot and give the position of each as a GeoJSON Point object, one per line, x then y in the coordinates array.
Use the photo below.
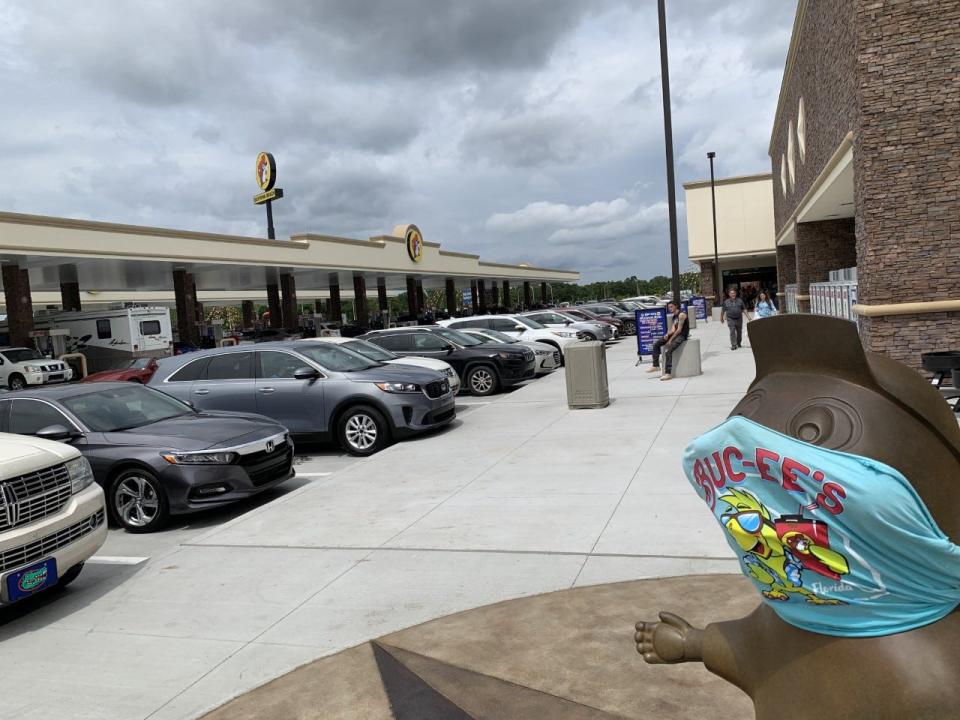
{"type": "Point", "coordinates": [521, 496]}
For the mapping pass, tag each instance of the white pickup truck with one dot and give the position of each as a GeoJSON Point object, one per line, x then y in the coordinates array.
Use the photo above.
{"type": "Point", "coordinates": [52, 515]}
{"type": "Point", "coordinates": [20, 366]}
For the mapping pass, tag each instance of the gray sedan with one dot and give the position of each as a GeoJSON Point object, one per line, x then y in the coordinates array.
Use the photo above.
{"type": "Point", "coordinates": [315, 389]}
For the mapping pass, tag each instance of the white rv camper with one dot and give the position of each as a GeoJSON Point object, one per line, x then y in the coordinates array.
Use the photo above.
{"type": "Point", "coordinates": [111, 336]}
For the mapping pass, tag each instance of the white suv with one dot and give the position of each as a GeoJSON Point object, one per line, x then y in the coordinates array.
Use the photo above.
{"type": "Point", "coordinates": [20, 366]}
{"type": "Point", "coordinates": [519, 327]}
{"type": "Point", "coordinates": [52, 515]}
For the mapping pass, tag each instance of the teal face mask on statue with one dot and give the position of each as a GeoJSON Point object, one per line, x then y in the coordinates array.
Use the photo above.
{"type": "Point", "coordinates": [837, 544]}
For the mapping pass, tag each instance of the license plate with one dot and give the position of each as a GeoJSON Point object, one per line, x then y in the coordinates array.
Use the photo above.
{"type": "Point", "coordinates": [57, 376]}
{"type": "Point", "coordinates": [26, 582]}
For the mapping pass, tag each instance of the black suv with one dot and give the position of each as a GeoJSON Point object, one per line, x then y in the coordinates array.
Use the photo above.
{"type": "Point", "coordinates": [483, 367]}
{"type": "Point", "coordinates": [629, 319]}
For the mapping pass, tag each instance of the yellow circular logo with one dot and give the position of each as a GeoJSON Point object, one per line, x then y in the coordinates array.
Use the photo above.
{"type": "Point", "coordinates": [414, 243]}
{"type": "Point", "coordinates": [266, 171]}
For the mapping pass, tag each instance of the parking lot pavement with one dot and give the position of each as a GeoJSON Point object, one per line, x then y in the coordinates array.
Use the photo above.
{"type": "Point", "coordinates": [519, 496]}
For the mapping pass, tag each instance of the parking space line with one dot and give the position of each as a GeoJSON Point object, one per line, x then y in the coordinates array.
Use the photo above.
{"type": "Point", "coordinates": [314, 474]}
{"type": "Point", "coordinates": [116, 560]}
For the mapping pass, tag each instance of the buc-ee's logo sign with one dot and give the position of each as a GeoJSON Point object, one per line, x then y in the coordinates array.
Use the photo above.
{"type": "Point", "coordinates": [414, 240]}
{"type": "Point", "coordinates": [266, 171]}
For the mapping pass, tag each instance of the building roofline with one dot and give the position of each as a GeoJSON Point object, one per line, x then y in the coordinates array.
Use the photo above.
{"type": "Point", "coordinates": [787, 67]}
{"type": "Point", "coordinates": [735, 180]}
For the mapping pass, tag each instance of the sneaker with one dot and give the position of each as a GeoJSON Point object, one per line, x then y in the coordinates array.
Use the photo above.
{"type": "Point", "coordinates": [733, 347]}
{"type": "Point", "coordinates": [666, 376]}
{"type": "Point", "coordinates": [653, 369]}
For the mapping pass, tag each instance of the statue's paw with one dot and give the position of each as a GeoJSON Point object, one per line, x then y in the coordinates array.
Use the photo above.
{"type": "Point", "coordinates": [776, 595]}
{"type": "Point", "coordinates": [823, 601]}
{"type": "Point", "coordinates": [664, 641]}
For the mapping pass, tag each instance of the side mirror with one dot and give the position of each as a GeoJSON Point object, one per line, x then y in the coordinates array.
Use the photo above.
{"type": "Point", "coordinates": [56, 432]}
{"type": "Point", "coordinates": [568, 322]}
{"type": "Point", "coordinates": [305, 373]}
{"type": "Point", "coordinates": [520, 328]}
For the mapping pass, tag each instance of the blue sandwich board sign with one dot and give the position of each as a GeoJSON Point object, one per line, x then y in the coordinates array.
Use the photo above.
{"type": "Point", "coordinates": [651, 326]}
{"type": "Point", "coordinates": [700, 305]}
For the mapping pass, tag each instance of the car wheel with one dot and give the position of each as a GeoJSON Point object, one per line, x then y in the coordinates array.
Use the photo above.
{"type": "Point", "coordinates": [16, 382]}
{"type": "Point", "coordinates": [137, 502]}
{"type": "Point", "coordinates": [630, 328]}
{"type": "Point", "coordinates": [482, 381]}
{"type": "Point", "coordinates": [70, 575]}
{"type": "Point", "coordinates": [362, 431]}
{"type": "Point", "coordinates": [590, 337]}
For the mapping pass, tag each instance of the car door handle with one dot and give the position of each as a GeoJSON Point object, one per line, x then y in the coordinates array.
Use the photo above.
{"type": "Point", "coordinates": [267, 389]}
{"type": "Point", "coordinates": [201, 392]}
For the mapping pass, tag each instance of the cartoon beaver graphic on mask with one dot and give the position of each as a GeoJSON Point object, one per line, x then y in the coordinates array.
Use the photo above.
{"type": "Point", "coordinates": [836, 479]}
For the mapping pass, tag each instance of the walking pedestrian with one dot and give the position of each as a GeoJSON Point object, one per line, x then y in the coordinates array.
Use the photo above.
{"type": "Point", "coordinates": [765, 306]}
{"type": "Point", "coordinates": [678, 333]}
{"type": "Point", "coordinates": [732, 312]}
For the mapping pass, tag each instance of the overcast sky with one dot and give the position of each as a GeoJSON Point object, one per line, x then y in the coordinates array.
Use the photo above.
{"type": "Point", "coordinates": [522, 130]}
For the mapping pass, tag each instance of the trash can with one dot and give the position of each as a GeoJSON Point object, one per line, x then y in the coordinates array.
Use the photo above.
{"type": "Point", "coordinates": [586, 371]}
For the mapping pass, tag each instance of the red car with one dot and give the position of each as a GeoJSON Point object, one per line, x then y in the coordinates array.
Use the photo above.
{"type": "Point", "coordinates": [138, 370]}
{"type": "Point", "coordinates": [587, 315]}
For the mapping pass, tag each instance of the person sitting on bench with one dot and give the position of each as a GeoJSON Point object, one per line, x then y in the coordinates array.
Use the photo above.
{"type": "Point", "coordinates": [679, 331]}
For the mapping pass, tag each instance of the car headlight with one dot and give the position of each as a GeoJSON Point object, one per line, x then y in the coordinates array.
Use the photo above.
{"type": "Point", "coordinates": [200, 458]}
{"type": "Point", "coordinates": [564, 333]}
{"type": "Point", "coordinates": [449, 372]}
{"type": "Point", "coordinates": [506, 355]}
{"type": "Point", "coordinates": [398, 387]}
{"type": "Point", "coordinates": [544, 352]}
{"type": "Point", "coordinates": [81, 475]}
{"type": "Point", "coordinates": [30, 368]}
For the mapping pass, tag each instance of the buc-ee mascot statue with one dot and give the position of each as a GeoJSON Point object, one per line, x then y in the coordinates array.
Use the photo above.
{"type": "Point", "coordinates": [837, 482]}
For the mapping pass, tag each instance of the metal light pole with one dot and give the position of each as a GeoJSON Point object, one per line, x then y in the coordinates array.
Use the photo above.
{"type": "Point", "coordinates": [717, 275]}
{"type": "Point", "coordinates": [668, 141]}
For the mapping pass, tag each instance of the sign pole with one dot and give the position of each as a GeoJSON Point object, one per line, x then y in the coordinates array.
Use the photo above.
{"type": "Point", "coordinates": [271, 235]}
{"type": "Point", "coordinates": [668, 137]}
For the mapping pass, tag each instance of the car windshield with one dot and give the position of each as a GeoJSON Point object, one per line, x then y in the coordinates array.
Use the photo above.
{"type": "Point", "coordinates": [498, 336]}
{"type": "Point", "coordinates": [138, 364]}
{"type": "Point", "coordinates": [124, 408]}
{"type": "Point", "coordinates": [18, 355]}
{"type": "Point", "coordinates": [457, 337]}
{"type": "Point", "coordinates": [530, 323]}
{"type": "Point", "coordinates": [568, 316]}
{"type": "Point", "coordinates": [336, 358]}
{"type": "Point", "coordinates": [369, 350]}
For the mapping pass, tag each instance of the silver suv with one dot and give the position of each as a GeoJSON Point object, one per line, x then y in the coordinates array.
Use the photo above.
{"type": "Point", "coordinates": [316, 389]}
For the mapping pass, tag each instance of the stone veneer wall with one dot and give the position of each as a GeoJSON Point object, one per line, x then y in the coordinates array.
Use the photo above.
{"type": "Point", "coordinates": [821, 247]}
{"type": "Point", "coordinates": [786, 273]}
{"type": "Point", "coordinates": [907, 169]}
{"type": "Point", "coordinates": [823, 75]}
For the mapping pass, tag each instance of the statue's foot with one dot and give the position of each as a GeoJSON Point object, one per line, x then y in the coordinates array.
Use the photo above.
{"type": "Point", "coordinates": [814, 600]}
{"type": "Point", "coordinates": [776, 595]}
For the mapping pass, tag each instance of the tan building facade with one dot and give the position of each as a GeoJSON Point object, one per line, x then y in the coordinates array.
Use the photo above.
{"type": "Point", "coordinates": [745, 231]}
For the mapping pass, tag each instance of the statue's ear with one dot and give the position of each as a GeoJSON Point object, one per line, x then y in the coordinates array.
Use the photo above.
{"type": "Point", "coordinates": [812, 344]}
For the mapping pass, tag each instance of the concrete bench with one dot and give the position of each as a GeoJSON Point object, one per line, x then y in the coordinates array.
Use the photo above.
{"type": "Point", "coordinates": [686, 359]}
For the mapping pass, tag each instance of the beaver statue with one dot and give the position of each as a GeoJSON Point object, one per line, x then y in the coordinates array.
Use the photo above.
{"type": "Point", "coordinates": [837, 481]}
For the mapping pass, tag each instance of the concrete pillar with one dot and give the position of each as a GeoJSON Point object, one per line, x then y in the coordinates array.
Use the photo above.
{"type": "Point", "coordinates": [289, 305]}
{"type": "Point", "coordinates": [382, 300]}
{"type": "Point", "coordinates": [527, 295]}
{"type": "Point", "coordinates": [336, 313]}
{"type": "Point", "coordinates": [70, 295]}
{"type": "Point", "coordinates": [494, 294]}
{"type": "Point", "coordinates": [786, 273]}
{"type": "Point", "coordinates": [421, 299]}
{"type": "Point", "coordinates": [16, 289]}
{"type": "Point", "coordinates": [474, 297]}
{"type": "Point", "coordinates": [412, 296]}
{"type": "Point", "coordinates": [481, 295]}
{"type": "Point", "coordinates": [360, 301]}
{"type": "Point", "coordinates": [249, 314]}
{"type": "Point", "coordinates": [451, 288]}
{"type": "Point", "coordinates": [319, 306]}
{"type": "Point", "coordinates": [197, 305]}
{"type": "Point", "coordinates": [507, 300]}
{"type": "Point", "coordinates": [543, 293]}
{"type": "Point", "coordinates": [821, 247]}
{"type": "Point", "coordinates": [274, 306]}
{"type": "Point", "coordinates": [186, 307]}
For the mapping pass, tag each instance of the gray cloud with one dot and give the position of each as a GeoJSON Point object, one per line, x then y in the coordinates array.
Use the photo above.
{"type": "Point", "coordinates": [526, 131]}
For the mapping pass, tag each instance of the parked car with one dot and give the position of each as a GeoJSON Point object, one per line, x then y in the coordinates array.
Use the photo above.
{"type": "Point", "coordinates": [53, 518]}
{"type": "Point", "coordinates": [153, 455]}
{"type": "Point", "coordinates": [628, 319]}
{"type": "Point", "coordinates": [265, 335]}
{"type": "Point", "coordinates": [138, 370]}
{"type": "Point", "coordinates": [586, 315]}
{"type": "Point", "coordinates": [20, 367]}
{"type": "Point", "coordinates": [587, 330]}
{"type": "Point", "coordinates": [649, 300]}
{"type": "Point", "coordinates": [378, 354]}
{"type": "Point", "coordinates": [519, 327]}
{"type": "Point", "coordinates": [547, 357]}
{"type": "Point", "coordinates": [314, 388]}
{"type": "Point", "coordinates": [484, 367]}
